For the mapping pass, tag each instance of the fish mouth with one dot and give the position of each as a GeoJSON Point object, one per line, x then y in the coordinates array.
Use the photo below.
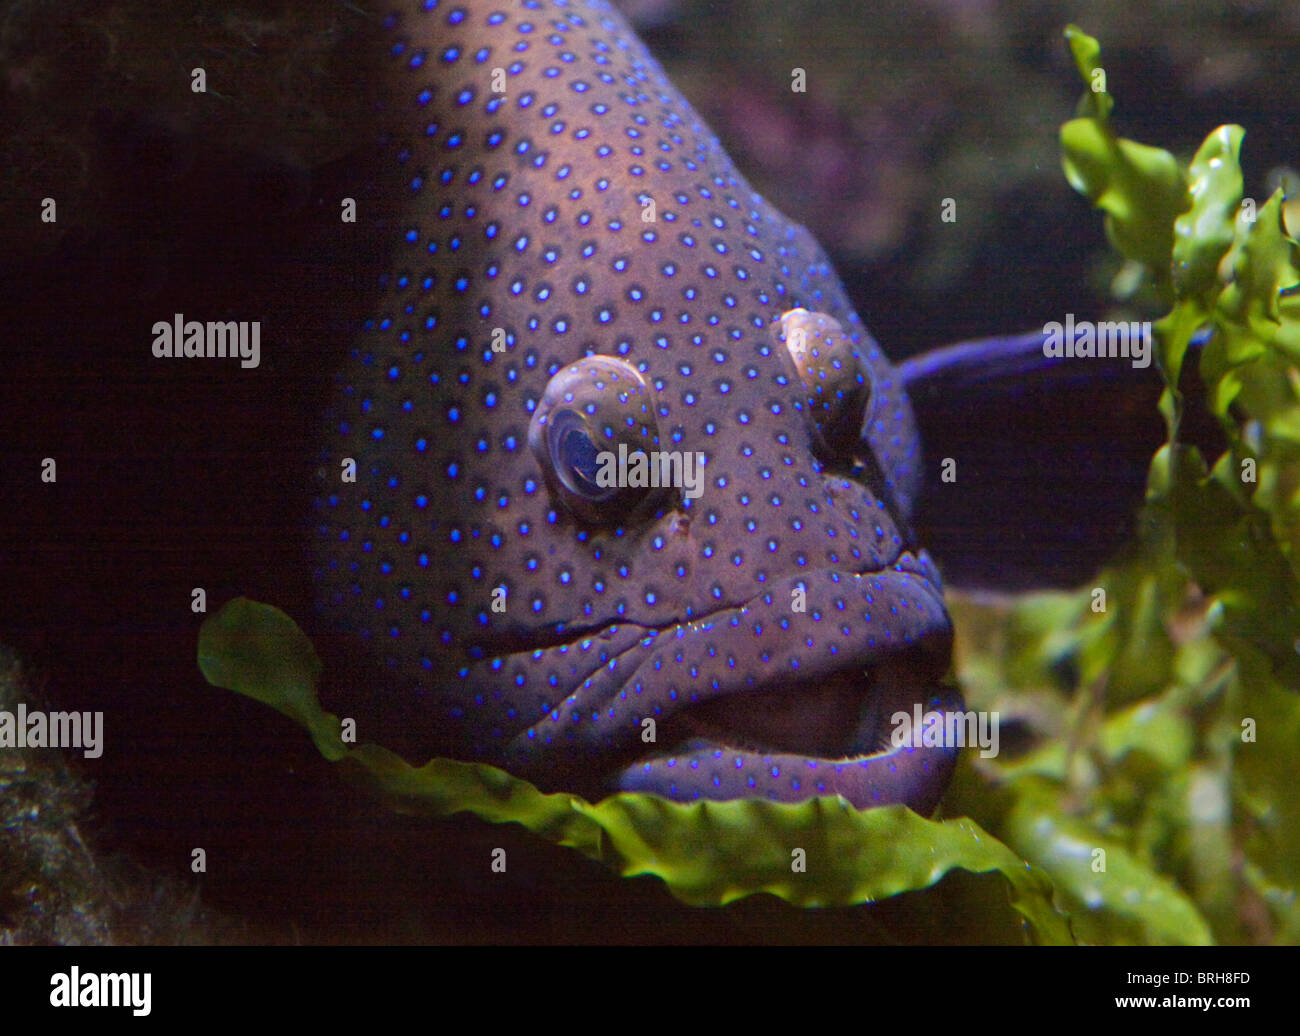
{"type": "Point", "coordinates": [788, 744]}
{"type": "Point", "coordinates": [761, 701]}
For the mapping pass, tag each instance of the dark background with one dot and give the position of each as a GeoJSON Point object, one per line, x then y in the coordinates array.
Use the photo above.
{"type": "Point", "coordinates": [172, 477]}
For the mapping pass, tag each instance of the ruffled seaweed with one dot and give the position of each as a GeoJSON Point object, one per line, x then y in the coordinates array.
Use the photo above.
{"type": "Point", "coordinates": [1163, 698]}
{"type": "Point", "coordinates": [818, 853]}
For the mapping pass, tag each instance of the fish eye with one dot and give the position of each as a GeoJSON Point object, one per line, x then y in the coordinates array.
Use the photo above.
{"type": "Point", "coordinates": [575, 457]}
{"type": "Point", "coordinates": [837, 378]}
{"type": "Point", "coordinates": [593, 416]}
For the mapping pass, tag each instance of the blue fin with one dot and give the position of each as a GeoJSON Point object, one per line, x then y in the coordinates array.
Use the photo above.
{"type": "Point", "coordinates": [1051, 457]}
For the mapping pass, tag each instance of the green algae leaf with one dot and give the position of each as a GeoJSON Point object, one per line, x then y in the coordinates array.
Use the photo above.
{"type": "Point", "coordinates": [1265, 730]}
{"type": "Point", "coordinates": [1165, 727]}
{"type": "Point", "coordinates": [1174, 334]}
{"type": "Point", "coordinates": [1204, 233]}
{"type": "Point", "coordinates": [1252, 371]}
{"type": "Point", "coordinates": [261, 652]}
{"type": "Point", "coordinates": [1203, 236]}
{"type": "Point", "coordinates": [1116, 175]}
{"type": "Point", "coordinates": [1141, 189]}
{"type": "Point", "coordinates": [716, 852]}
{"type": "Point", "coordinates": [1229, 550]}
{"type": "Point", "coordinates": [1160, 728]}
{"type": "Point", "coordinates": [817, 853]}
{"type": "Point", "coordinates": [1086, 51]}
{"type": "Point", "coordinates": [1236, 528]}
{"type": "Point", "coordinates": [1157, 728]}
{"type": "Point", "coordinates": [1264, 762]}
{"type": "Point", "coordinates": [1114, 897]}
{"type": "Point", "coordinates": [1265, 268]}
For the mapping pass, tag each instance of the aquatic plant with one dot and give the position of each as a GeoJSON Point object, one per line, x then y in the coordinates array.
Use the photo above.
{"type": "Point", "coordinates": [1152, 801]}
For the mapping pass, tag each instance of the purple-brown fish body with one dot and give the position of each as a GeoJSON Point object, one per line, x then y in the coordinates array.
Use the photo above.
{"type": "Point", "coordinates": [577, 266]}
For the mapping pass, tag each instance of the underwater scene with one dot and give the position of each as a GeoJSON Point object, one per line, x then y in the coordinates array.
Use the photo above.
{"type": "Point", "coordinates": [493, 472]}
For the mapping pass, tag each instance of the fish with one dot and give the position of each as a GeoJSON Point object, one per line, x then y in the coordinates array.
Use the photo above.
{"type": "Point", "coordinates": [578, 270]}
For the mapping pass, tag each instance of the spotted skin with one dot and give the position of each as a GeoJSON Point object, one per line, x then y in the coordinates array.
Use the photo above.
{"type": "Point", "coordinates": [524, 216]}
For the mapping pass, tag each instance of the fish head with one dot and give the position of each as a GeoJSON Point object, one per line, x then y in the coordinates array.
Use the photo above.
{"type": "Point", "coordinates": [632, 482]}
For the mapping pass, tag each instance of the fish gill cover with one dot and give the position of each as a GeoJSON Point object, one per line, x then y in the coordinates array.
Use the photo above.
{"type": "Point", "coordinates": [1148, 798]}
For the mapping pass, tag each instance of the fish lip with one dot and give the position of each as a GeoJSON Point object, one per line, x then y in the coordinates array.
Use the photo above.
{"type": "Point", "coordinates": [914, 776]}
{"type": "Point", "coordinates": [891, 611]}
